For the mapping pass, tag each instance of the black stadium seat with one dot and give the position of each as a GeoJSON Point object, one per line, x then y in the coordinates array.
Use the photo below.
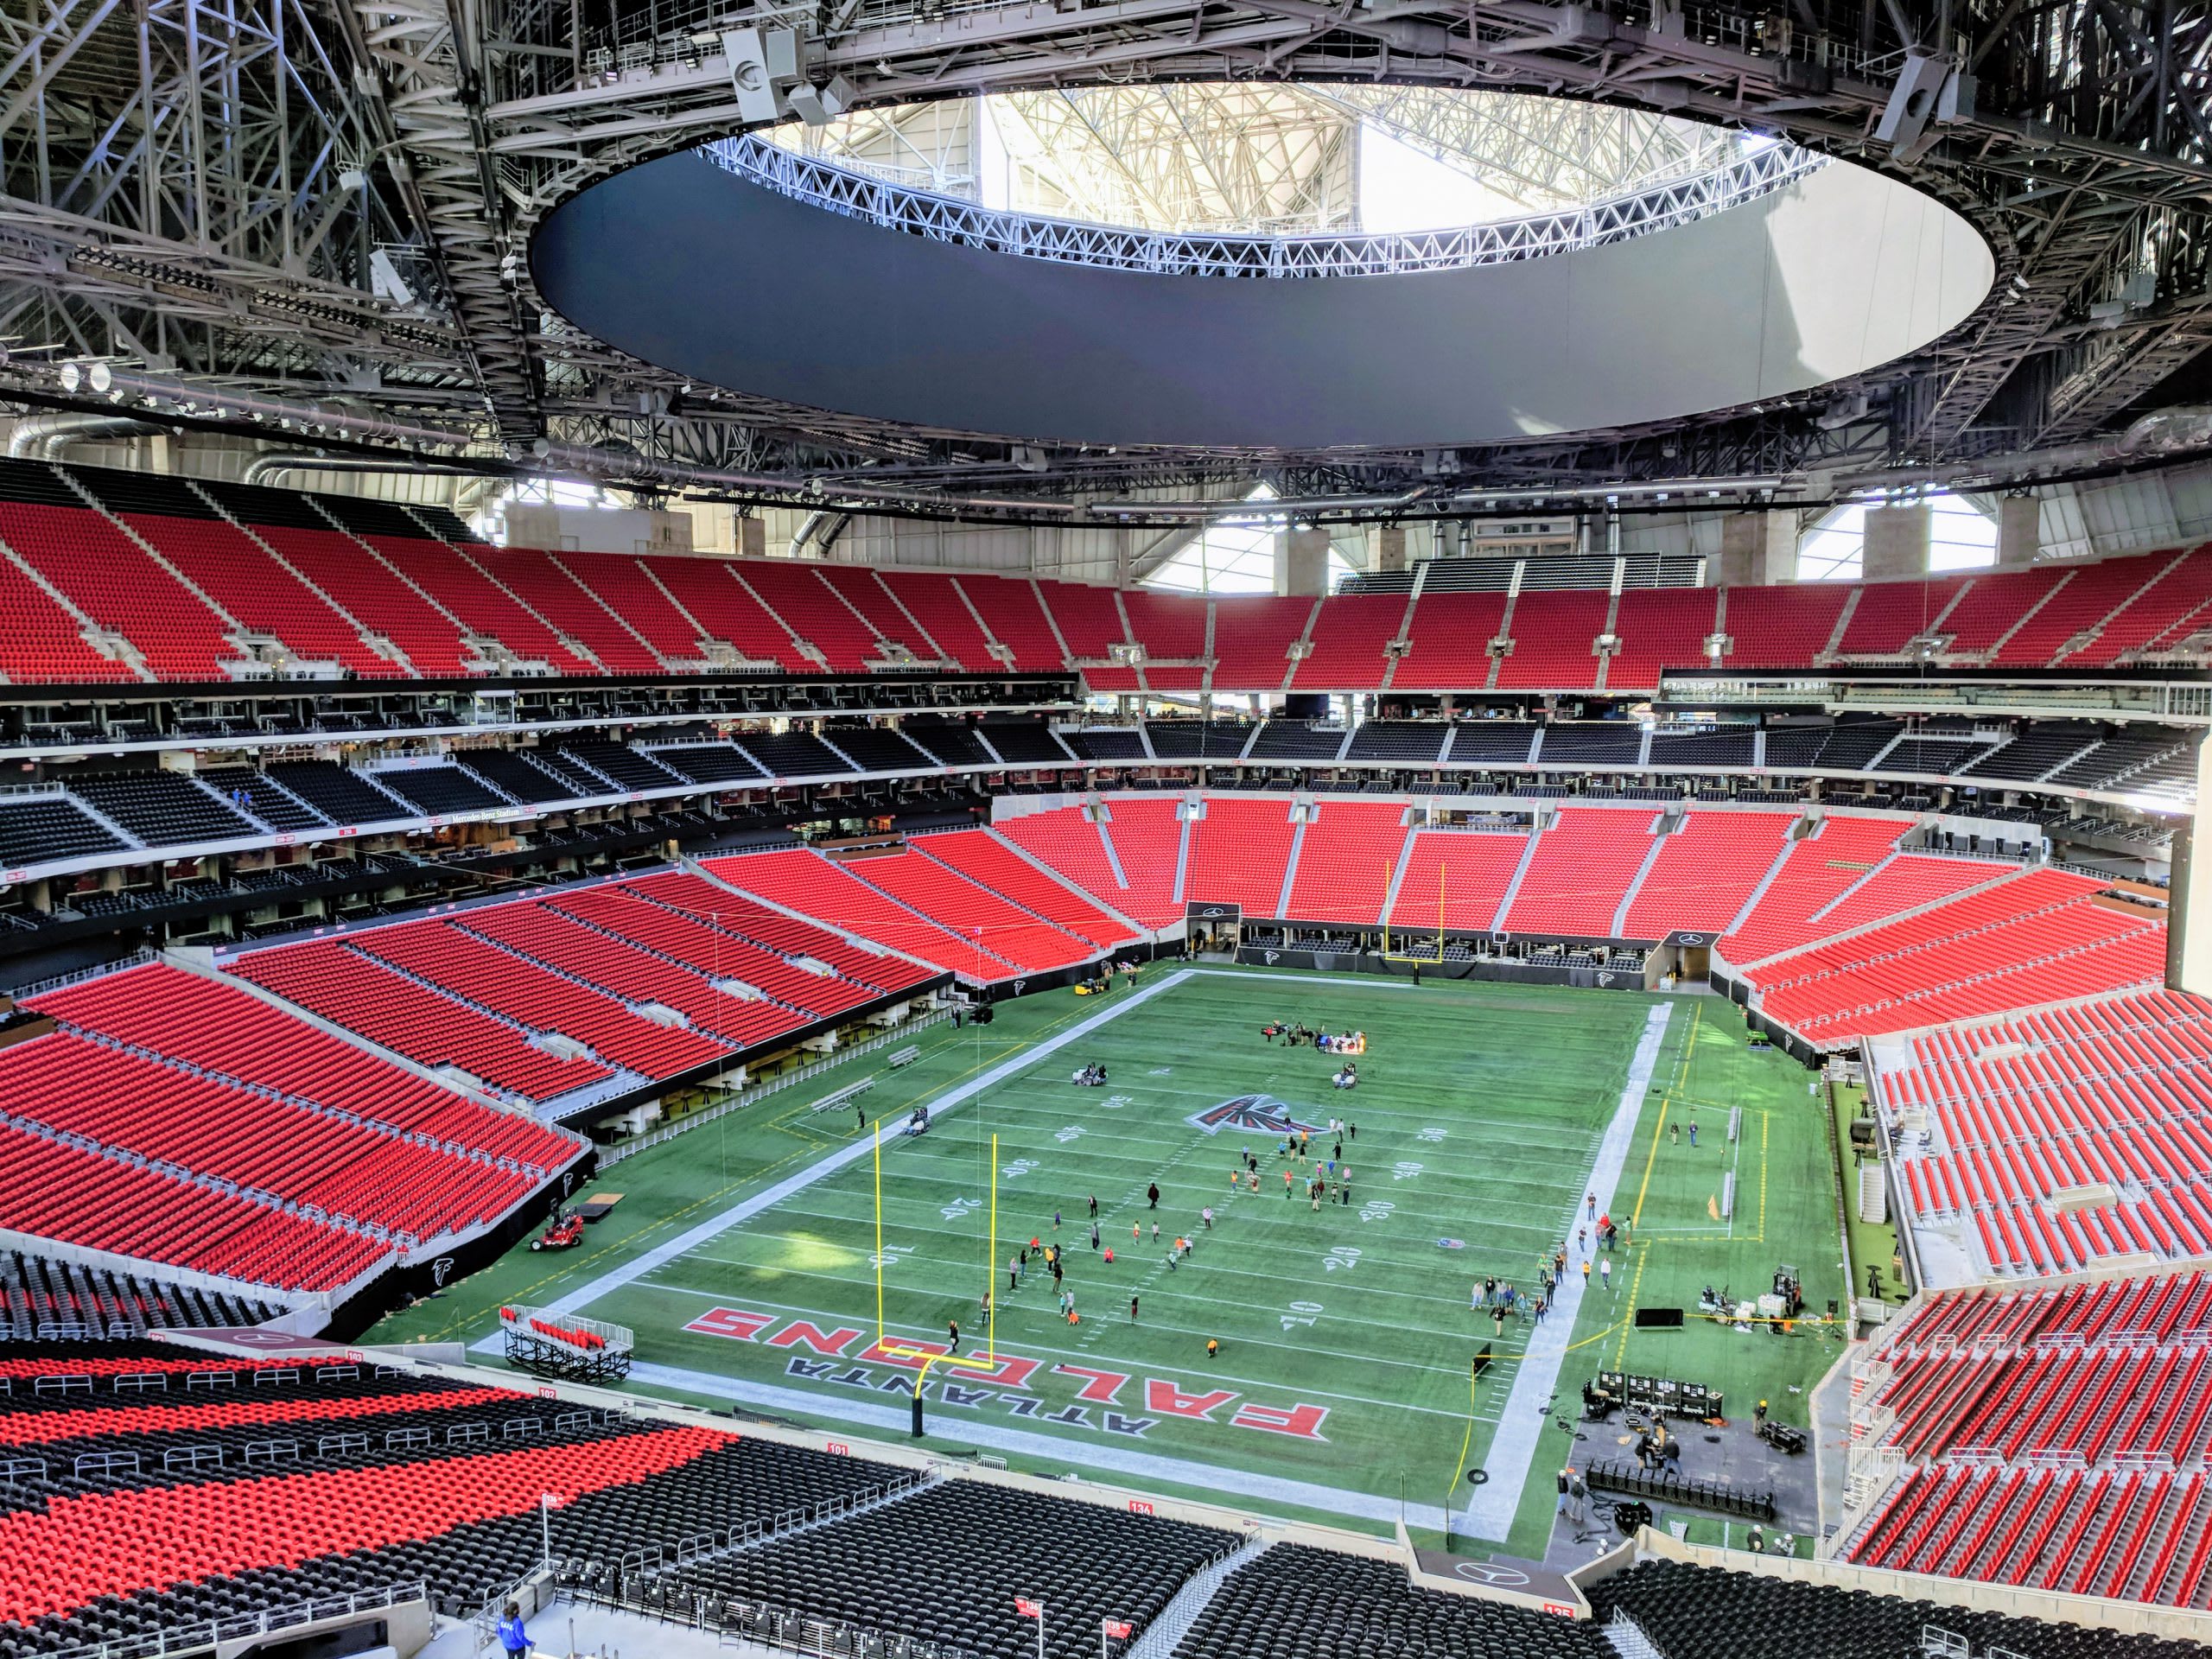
{"type": "Point", "coordinates": [1302, 1603]}
{"type": "Point", "coordinates": [1694, 1612]}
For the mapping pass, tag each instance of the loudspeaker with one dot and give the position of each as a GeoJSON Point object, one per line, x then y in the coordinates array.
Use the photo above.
{"type": "Point", "coordinates": [1912, 100]}
{"type": "Point", "coordinates": [819, 105]}
{"type": "Point", "coordinates": [749, 78]}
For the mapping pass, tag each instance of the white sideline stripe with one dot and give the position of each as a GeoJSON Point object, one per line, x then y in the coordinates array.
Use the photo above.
{"type": "Point", "coordinates": [1053, 1451]}
{"type": "Point", "coordinates": [615, 1278]}
{"type": "Point", "coordinates": [1364, 981]}
{"type": "Point", "coordinates": [1513, 1452]}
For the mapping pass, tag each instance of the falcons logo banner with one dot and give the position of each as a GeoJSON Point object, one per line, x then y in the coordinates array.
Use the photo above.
{"type": "Point", "coordinates": [1252, 1114]}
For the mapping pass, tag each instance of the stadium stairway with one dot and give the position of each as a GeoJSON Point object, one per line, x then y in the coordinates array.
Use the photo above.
{"type": "Point", "coordinates": [741, 875]}
{"type": "Point", "coordinates": [1627, 1640]}
{"type": "Point", "coordinates": [1290, 866]}
{"type": "Point", "coordinates": [1135, 928]}
{"type": "Point", "coordinates": [881, 967]}
{"type": "Point", "coordinates": [1166, 1633]}
{"type": "Point", "coordinates": [1660, 834]}
{"type": "Point", "coordinates": [1000, 866]}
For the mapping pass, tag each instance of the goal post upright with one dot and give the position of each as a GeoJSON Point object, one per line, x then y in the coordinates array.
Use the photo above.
{"type": "Point", "coordinates": [878, 1233]}
{"type": "Point", "coordinates": [891, 1349]}
{"type": "Point", "coordinates": [991, 1261]}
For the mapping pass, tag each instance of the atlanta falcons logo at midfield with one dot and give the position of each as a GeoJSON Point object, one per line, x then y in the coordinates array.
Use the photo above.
{"type": "Point", "coordinates": [1253, 1114]}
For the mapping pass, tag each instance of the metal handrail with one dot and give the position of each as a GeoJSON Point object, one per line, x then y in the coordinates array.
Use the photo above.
{"type": "Point", "coordinates": [211, 1633]}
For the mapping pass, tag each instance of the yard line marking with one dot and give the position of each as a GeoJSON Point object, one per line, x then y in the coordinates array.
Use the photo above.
{"type": "Point", "coordinates": [1636, 1215]}
{"type": "Point", "coordinates": [1028, 1350]}
{"type": "Point", "coordinates": [1764, 1118]}
{"type": "Point", "coordinates": [1489, 1514]}
{"type": "Point", "coordinates": [1145, 1287]}
{"type": "Point", "coordinates": [1628, 1314]}
{"type": "Point", "coordinates": [584, 1294]}
{"type": "Point", "coordinates": [921, 1213]}
{"type": "Point", "coordinates": [1049, 1450]}
{"type": "Point", "coordinates": [1378, 982]}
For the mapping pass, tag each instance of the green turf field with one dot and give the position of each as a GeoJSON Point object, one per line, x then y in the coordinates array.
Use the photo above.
{"type": "Point", "coordinates": [744, 1253]}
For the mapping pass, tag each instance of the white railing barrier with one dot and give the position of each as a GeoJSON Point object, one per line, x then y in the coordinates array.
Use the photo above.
{"type": "Point", "coordinates": [238, 1627]}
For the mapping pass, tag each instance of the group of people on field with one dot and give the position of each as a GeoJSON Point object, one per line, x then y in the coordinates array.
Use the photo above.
{"type": "Point", "coordinates": [1349, 1042]}
{"type": "Point", "coordinates": [1502, 1300]}
{"type": "Point", "coordinates": [1330, 1182]}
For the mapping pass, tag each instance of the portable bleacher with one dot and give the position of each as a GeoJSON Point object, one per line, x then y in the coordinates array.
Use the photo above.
{"type": "Point", "coordinates": [566, 1346]}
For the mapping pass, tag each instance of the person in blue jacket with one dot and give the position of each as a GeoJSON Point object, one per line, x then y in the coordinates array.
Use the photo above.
{"type": "Point", "coordinates": [513, 1637]}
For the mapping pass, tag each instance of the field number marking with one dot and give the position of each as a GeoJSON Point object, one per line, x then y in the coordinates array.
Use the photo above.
{"type": "Point", "coordinates": [1301, 1314]}
{"type": "Point", "coordinates": [1343, 1257]}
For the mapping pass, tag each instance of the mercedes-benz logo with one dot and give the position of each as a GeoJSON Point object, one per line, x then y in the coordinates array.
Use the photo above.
{"type": "Point", "coordinates": [1490, 1573]}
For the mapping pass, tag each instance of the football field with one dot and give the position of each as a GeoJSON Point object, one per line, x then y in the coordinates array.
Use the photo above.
{"type": "Point", "coordinates": [1345, 1383]}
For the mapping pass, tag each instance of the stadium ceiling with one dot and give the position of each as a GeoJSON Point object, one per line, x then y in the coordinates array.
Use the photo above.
{"type": "Point", "coordinates": [1254, 157]}
{"type": "Point", "coordinates": [312, 220]}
